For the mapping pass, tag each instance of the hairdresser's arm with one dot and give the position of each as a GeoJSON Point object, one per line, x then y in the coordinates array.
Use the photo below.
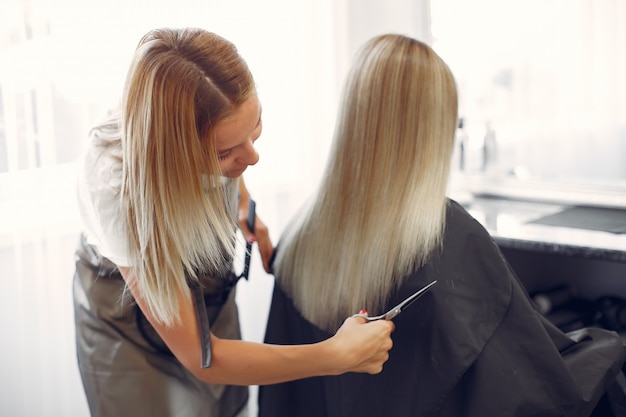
{"type": "Point", "coordinates": [356, 347]}
{"type": "Point", "coordinates": [261, 233]}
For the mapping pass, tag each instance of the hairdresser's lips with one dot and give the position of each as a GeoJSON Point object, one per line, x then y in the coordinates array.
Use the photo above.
{"type": "Point", "coordinates": [234, 173]}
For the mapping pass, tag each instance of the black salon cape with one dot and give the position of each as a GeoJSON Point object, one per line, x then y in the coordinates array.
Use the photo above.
{"type": "Point", "coordinates": [473, 346]}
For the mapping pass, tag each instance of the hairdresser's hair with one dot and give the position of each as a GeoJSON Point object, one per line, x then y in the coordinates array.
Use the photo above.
{"type": "Point", "coordinates": [179, 85]}
{"type": "Point", "coordinates": [380, 210]}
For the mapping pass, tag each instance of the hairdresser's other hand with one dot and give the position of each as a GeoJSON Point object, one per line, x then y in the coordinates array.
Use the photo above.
{"type": "Point", "coordinates": [364, 346]}
{"type": "Point", "coordinates": [261, 235]}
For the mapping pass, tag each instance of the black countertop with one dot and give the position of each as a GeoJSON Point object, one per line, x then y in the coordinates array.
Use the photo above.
{"type": "Point", "coordinates": [572, 230]}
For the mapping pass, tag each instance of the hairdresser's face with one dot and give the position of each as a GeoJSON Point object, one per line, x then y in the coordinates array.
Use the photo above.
{"type": "Point", "coordinates": [235, 137]}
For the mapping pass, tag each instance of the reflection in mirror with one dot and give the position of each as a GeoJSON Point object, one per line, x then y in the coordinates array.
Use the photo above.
{"type": "Point", "coordinates": [542, 92]}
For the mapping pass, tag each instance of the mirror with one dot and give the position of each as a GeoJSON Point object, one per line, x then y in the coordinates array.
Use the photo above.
{"type": "Point", "coordinates": [542, 96]}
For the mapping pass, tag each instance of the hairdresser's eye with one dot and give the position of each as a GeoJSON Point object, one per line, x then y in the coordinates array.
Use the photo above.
{"type": "Point", "coordinates": [223, 155]}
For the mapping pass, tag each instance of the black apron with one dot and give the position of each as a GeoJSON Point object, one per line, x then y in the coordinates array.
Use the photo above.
{"type": "Point", "coordinates": [126, 369]}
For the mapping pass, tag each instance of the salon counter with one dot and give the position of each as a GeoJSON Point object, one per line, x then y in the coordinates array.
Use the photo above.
{"type": "Point", "coordinates": [578, 231]}
{"type": "Point", "coordinates": [558, 244]}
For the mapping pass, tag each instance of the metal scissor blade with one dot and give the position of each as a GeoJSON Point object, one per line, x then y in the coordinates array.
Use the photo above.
{"type": "Point", "coordinates": [407, 302]}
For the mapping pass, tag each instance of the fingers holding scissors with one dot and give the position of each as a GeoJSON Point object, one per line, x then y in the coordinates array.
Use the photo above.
{"type": "Point", "coordinates": [362, 314]}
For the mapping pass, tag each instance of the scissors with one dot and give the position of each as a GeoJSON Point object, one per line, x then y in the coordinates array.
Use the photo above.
{"type": "Point", "coordinates": [400, 307]}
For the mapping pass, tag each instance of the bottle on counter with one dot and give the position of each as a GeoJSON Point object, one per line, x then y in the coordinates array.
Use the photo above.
{"type": "Point", "coordinates": [490, 148]}
{"type": "Point", "coordinates": [457, 188]}
{"type": "Point", "coordinates": [459, 157]}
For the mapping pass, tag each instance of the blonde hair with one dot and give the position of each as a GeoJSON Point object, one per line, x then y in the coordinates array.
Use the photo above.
{"type": "Point", "coordinates": [380, 210]}
{"type": "Point", "coordinates": [179, 85]}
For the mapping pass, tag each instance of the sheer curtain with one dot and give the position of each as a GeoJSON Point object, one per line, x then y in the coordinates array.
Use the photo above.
{"type": "Point", "coordinates": [62, 65]}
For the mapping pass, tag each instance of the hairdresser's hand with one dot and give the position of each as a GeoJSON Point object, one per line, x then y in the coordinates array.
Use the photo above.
{"type": "Point", "coordinates": [261, 236]}
{"type": "Point", "coordinates": [364, 346]}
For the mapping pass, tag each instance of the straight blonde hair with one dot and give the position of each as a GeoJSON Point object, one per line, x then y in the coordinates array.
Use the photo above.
{"type": "Point", "coordinates": [379, 212]}
{"type": "Point", "coordinates": [175, 207]}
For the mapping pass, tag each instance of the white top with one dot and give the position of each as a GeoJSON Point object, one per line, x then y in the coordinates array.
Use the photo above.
{"type": "Point", "coordinates": [98, 188]}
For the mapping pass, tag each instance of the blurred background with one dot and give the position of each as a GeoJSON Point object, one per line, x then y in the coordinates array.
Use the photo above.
{"type": "Point", "coordinates": [542, 100]}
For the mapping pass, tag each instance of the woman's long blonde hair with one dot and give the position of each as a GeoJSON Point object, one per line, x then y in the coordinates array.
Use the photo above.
{"type": "Point", "coordinates": [380, 210]}
{"type": "Point", "coordinates": [179, 85]}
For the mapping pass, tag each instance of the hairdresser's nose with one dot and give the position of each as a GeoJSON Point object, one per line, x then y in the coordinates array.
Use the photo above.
{"type": "Point", "coordinates": [249, 156]}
